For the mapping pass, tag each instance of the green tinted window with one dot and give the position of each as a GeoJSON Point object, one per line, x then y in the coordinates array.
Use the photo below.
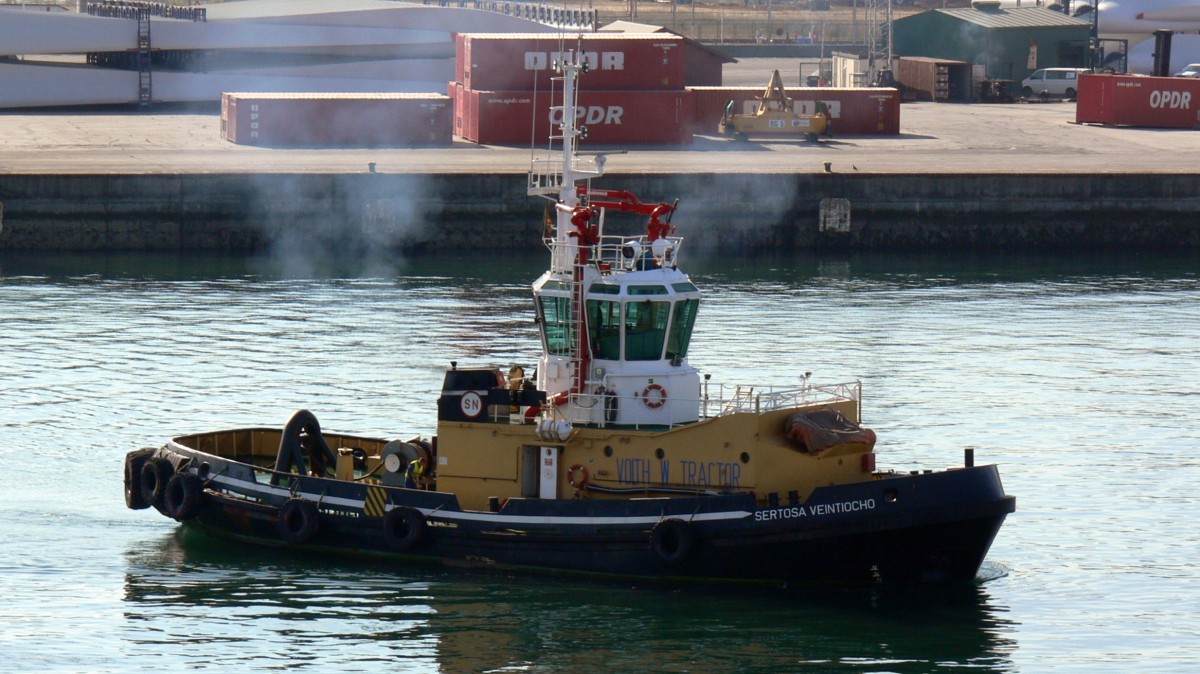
{"type": "Point", "coordinates": [556, 325]}
{"type": "Point", "coordinates": [604, 289]}
{"type": "Point", "coordinates": [645, 329]}
{"type": "Point", "coordinates": [604, 328]}
{"type": "Point", "coordinates": [647, 290]}
{"type": "Point", "coordinates": [684, 288]}
{"type": "Point", "coordinates": [681, 328]}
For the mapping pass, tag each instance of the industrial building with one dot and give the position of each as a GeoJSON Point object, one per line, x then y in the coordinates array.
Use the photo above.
{"type": "Point", "coordinates": [1009, 43]}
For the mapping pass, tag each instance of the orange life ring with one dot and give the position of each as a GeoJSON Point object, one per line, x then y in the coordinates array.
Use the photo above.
{"type": "Point", "coordinates": [582, 482]}
{"type": "Point", "coordinates": [654, 403]}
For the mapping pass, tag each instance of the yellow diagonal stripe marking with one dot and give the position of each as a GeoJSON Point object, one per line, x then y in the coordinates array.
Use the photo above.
{"type": "Point", "coordinates": [376, 500]}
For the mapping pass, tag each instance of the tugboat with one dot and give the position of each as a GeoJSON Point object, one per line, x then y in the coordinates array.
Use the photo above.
{"type": "Point", "coordinates": [614, 458]}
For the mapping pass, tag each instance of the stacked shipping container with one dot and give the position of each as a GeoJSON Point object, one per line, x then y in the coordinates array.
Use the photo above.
{"type": "Point", "coordinates": [525, 61]}
{"type": "Point", "coordinates": [611, 117]}
{"type": "Point", "coordinates": [336, 120]}
{"type": "Point", "coordinates": [633, 93]}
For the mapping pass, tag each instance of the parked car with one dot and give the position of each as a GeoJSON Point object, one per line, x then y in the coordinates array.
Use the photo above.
{"type": "Point", "coordinates": [1190, 70]}
{"type": "Point", "coordinates": [1052, 82]}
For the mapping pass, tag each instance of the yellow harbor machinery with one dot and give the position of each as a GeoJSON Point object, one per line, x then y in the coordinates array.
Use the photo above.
{"type": "Point", "coordinates": [776, 116]}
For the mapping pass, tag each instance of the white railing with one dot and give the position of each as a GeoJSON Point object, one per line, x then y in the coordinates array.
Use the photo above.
{"type": "Point", "coordinates": [734, 399]}
{"type": "Point", "coordinates": [545, 176]}
{"type": "Point", "coordinates": [627, 253]}
{"type": "Point", "coordinates": [759, 399]}
{"type": "Point", "coordinates": [546, 172]}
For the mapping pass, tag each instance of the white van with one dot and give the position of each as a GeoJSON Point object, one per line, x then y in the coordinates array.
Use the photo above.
{"type": "Point", "coordinates": [1052, 82]}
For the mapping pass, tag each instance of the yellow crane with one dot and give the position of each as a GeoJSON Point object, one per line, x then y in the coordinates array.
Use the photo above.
{"type": "Point", "coordinates": [776, 116]}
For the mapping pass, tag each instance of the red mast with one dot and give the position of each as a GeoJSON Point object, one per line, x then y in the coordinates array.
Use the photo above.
{"type": "Point", "coordinates": [586, 235]}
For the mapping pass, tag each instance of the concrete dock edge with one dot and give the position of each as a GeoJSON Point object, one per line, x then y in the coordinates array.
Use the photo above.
{"type": "Point", "coordinates": [737, 212]}
{"type": "Point", "coordinates": [742, 212]}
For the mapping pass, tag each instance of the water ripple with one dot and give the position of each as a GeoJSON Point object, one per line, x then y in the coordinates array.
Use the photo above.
{"type": "Point", "coordinates": [1077, 376]}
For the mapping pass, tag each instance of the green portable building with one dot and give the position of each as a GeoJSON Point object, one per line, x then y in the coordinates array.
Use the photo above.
{"type": "Point", "coordinates": [1010, 43]}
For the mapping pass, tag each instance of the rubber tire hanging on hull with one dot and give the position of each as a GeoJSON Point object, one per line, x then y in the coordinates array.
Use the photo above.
{"type": "Point", "coordinates": [298, 521]}
{"type": "Point", "coordinates": [153, 481]}
{"type": "Point", "coordinates": [403, 528]}
{"type": "Point", "coordinates": [133, 478]}
{"type": "Point", "coordinates": [672, 541]}
{"type": "Point", "coordinates": [182, 496]}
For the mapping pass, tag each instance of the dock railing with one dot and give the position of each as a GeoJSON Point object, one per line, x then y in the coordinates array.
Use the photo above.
{"type": "Point", "coordinates": [138, 9]}
{"type": "Point", "coordinates": [541, 12]}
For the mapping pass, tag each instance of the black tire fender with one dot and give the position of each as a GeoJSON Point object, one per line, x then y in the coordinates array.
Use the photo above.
{"type": "Point", "coordinates": [153, 481]}
{"type": "Point", "coordinates": [672, 541]}
{"type": "Point", "coordinates": [403, 528]}
{"type": "Point", "coordinates": [133, 478]}
{"type": "Point", "coordinates": [182, 496]}
{"type": "Point", "coordinates": [298, 521]}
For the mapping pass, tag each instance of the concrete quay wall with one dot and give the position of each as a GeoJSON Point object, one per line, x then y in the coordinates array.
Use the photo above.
{"type": "Point", "coordinates": [737, 212]}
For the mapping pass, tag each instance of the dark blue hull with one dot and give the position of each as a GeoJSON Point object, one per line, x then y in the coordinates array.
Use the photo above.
{"type": "Point", "coordinates": [896, 529]}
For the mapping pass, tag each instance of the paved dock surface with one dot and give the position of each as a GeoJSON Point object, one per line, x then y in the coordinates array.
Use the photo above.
{"type": "Point", "coordinates": [934, 138]}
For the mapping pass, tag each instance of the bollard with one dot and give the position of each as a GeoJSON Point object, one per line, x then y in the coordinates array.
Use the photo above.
{"type": "Point", "coordinates": [969, 457]}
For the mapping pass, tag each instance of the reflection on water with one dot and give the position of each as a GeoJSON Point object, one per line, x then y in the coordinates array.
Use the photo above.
{"type": "Point", "coordinates": [1076, 374]}
{"type": "Point", "coordinates": [192, 598]}
{"type": "Point", "coordinates": [913, 270]}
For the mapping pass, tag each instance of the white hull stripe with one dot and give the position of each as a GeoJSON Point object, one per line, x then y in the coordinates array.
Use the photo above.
{"type": "Point", "coordinates": [467, 516]}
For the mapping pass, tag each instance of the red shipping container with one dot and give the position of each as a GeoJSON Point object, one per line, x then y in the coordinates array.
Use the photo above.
{"type": "Point", "coordinates": [459, 56]}
{"type": "Point", "coordinates": [455, 92]}
{"type": "Point", "coordinates": [525, 61]}
{"type": "Point", "coordinates": [1126, 100]}
{"type": "Point", "coordinates": [472, 107]}
{"type": "Point", "coordinates": [336, 120]}
{"type": "Point", "coordinates": [228, 119]}
{"type": "Point", "coordinates": [855, 111]}
{"type": "Point", "coordinates": [611, 117]}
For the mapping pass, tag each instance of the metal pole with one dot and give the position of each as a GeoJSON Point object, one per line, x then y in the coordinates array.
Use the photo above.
{"type": "Point", "coordinates": [768, 20]}
{"type": "Point", "coordinates": [889, 35]}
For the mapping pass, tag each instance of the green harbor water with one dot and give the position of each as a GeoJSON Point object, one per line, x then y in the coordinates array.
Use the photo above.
{"type": "Point", "coordinates": [1079, 375]}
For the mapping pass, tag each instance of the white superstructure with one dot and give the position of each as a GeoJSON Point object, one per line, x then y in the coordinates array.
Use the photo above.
{"type": "Point", "coordinates": [616, 313]}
